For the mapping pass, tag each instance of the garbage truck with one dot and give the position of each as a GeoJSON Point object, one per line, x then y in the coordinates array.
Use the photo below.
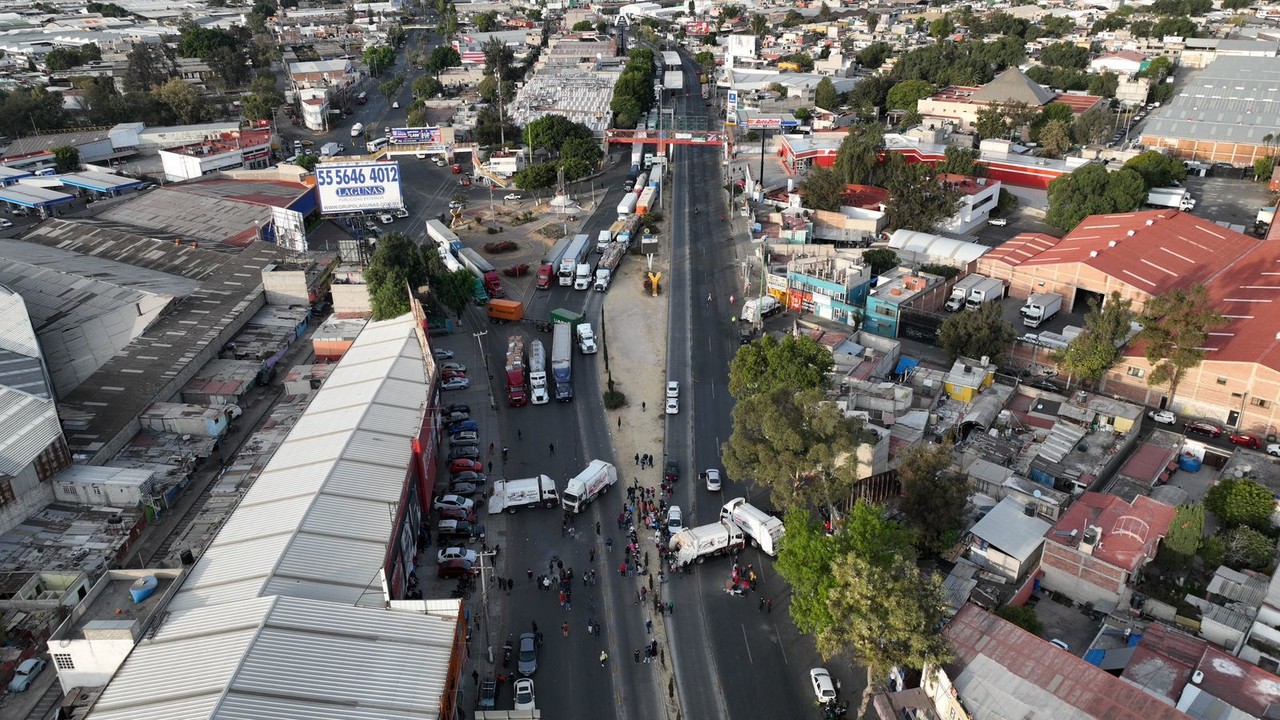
{"type": "Point", "coordinates": [764, 529]}
{"type": "Point", "coordinates": [699, 543]}
{"type": "Point", "coordinates": [511, 495]}
{"type": "Point", "coordinates": [588, 485]}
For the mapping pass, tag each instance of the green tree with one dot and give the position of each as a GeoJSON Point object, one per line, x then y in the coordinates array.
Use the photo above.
{"type": "Point", "coordinates": [1263, 168]}
{"type": "Point", "coordinates": [874, 55]}
{"type": "Point", "coordinates": [201, 42]}
{"type": "Point", "coordinates": [942, 27]}
{"type": "Point", "coordinates": [441, 58]}
{"type": "Point", "coordinates": [768, 364]}
{"type": "Point", "coordinates": [59, 59]}
{"type": "Point", "coordinates": [880, 260]}
{"type": "Point", "coordinates": [1241, 501]}
{"type": "Point", "coordinates": [1104, 84]}
{"type": "Point", "coordinates": [825, 95]}
{"type": "Point", "coordinates": [858, 157]}
{"type": "Point", "coordinates": [961, 161]}
{"type": "Point", "coordinates": [808, 553]}
{"type": "Point", "coordinates": [933, 499]}
{"type": "Point", "coordinates": [551, 132]}
{"type": "Point", "coordinates": [1065, 54]}
{"type": "Point", "coordinates": [1175, 330]}
{"type": "Point", "coordinates": [391, 85]}
{"type": "Point", "coordinates": [379, 58]}
{"type": "Point", "coordinates": [148, 67]}
{"type": "Point", "coordinates": [906, 94]}
{"type": "Point", "coordinates": [583, 26]}
{"type": "Point", "coordinates": [1093, 352]}
{"type": "Point", "coordinates": [1092, 190]}
{"type": "Point", "coordinates": [872, 20]}
{"type": "Point", "coordinates": [799, 448]}
{"type": "Point", "coordinates": [27, 110]}
{"type": "Point", "coordinates": [308, 162]}
{"type": "Point", "coordinates": [822, 190]}
{"type": "Point", "coordinates": [917, 201]}
{"type": "Point", "coordinates": [579, 156]}
{"type": "Point", "coordinates": [537, 177]}
{"type": "Point", "coordinates": [1247, 548]}
{"type": "Point", "coordinates": [1022, 616]}
{"type": "Point", "coordinates": [977, 333]}
{"type": "Point", "coordinates": [1179, 26]}
{"type": "Point", "coordinates": [991, 123]}
{"type": "Point", "coordinates": [1092, 126]}
{"type": "Point", "coordinates": [395, 270]}
{"type": "Point", "coordinates": [455, 289]}
{"type": "Point", "coordinates": [66, 159]}
{"type": "Point", "coordinates": [1182, 542]}
{"type": "Point", "coordinates": [1055, 138]}
{"type": "Point", "coordinates": [759, 25]}
{"type": "Point", "coordinates": [187, 104]}
{"type": "Point", "coordinates": [1157, 169]}
{"type": "Point", "coordinates": [425, 87]}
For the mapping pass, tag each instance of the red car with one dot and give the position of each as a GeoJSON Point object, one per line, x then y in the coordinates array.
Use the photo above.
{"type": "Point", "coordinates": [1248, 440]}
{"type": "Point", "coordinates": [457, 514]}
{"type": "Point", "coordinates": [456, 569]}
{"type": "Point", "coordinates": [460, 466]}
{"type": "Point", "coordinates": [1204, 428]}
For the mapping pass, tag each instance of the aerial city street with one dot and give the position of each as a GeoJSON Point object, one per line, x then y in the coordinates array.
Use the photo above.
{"type": "Point", "coordinates": [639, 360]}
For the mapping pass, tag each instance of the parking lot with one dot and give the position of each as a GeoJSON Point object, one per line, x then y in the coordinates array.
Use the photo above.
{"type": "Point", "coordinates": [1228, 200]}
{"type": "Point", "coordinates": [1022, 221]}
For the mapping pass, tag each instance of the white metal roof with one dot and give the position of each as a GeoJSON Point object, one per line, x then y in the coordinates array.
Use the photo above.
{"type": "Point", "coordinates": [28, 426]}
{"type": "Point", "coordinates": [280, 657]}
{"type": "Point", "coordinates": [936, 245]}
{"type": "Point", "coordinates": [1008, 528]}
{"type": "Point", "coordinates": [317, 521]}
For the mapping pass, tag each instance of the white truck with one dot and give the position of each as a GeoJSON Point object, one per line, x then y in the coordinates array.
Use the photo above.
{"type": "Point", "coordinates": [764, 529]}
{"type": "Point", "coordinates": [603, 239]}
{"type": "Point", "coordinates": [573, 255]}
{"type": "Point", "coordinates": [586, 338]}
{"type": "Point", "coordinates": [511, 495]}
{"type": "Point", "coordinates": [582, 276]}
{"type": "Point", "coordinates": [538, 373]}
{"type": "Point", "coordinates": [699, 543]}
{"type": "Point", "coordinates": [608, 264]}
{"type": "Point", "coordinates": [759, 308]}
{"type": "Point", "coordinates": [330, 149]}
{"type": "Point", "coordinates": [1171, 197]}
{"type": "Point", "coordinates": [1040, 308]}
{"type": "Point", "coordinates": [960, 292]}
{"type": "Point", "coordinates": [627, 206]}
{"type": "Point", "coordinates": [587, 485]}
{"type": "Point", "coordinates": [989, 290]}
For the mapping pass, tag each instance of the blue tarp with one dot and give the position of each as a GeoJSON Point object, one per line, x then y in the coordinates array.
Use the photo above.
{"type": "Point", "coordinates": [905, 365]}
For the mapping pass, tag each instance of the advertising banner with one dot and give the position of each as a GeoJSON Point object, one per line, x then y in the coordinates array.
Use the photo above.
{"type": "Point", "coordinates": [357, 187]}
{"type": "Point", "coordinates": [731, 108]}
{"type": "Point", "coordinates": [415, 136]}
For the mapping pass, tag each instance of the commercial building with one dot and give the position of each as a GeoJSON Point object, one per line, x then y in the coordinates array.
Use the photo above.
{"type": "Point", "coordinates": [960, 104]}
{"type": "Point", "coordinates": [1222, 114]}
{"type": "Point", "coordinates": [239, 150]}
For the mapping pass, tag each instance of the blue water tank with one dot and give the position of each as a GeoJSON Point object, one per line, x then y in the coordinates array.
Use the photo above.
{"type": "Point", "coordinates": [1190, 463]}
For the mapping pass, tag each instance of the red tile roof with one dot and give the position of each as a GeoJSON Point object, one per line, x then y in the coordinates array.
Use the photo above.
{"type": "Point", "coordinates": [1020, 248]}
{"type": "Point", "coordinates": [868, 197]}
{"type": "Point", "coordinates": [1130, 533]}
{"type": "Point", "coordinates": [1124, 55]}
{"type": "Point", "coordinates": [1165, 659]}
{"type": "Point", "coordinates": [1034, 669]}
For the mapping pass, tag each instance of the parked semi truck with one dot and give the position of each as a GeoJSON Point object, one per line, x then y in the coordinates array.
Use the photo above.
{"type": "Point", "coordinates": [1040, 308]}
{"type": "Point", "coordinates": [589, 484]}
{"type": "Point", "coordinates": [586, 338]}
{"type": "Point", "coordinates": [569, 317]}
{"type": "Point", "coordinates": [582, 276]}
{"type": "Point", "coordinates": [511, 495]}
{"type": "Point", "coordinates": [574, 254]}
{"type": "Point", "coordinates": [538, 373]}
{"type": "Point", "coordinates": [960, 292]}
{"type": "Point", "coordinates": [443, 236]}
{"type": "Point", "coordinates": [1179, 198]}
{"type": "Point", "coordinates": [628, 232]}
{"type": "Point", "coordinates": [647, 201]}
{"type": "Point", "coordinates": [481, 268]}
{"type": "Point", "coordinates": [551, 262]}
{"type": "Point", "coordinates": [517, 368]}
{"type": "Point", "coordinates": [608, 264]}
{"type": "Point", "coordinates": [699, 543]}
{"type": "Point", "coordinates": [603, 239]}
{"type": "Point", "coordinates": [764, 529]}
{"type": "Point", "coordinates": [562, 361]}
{"type": "Point", "coordinates": [504, 311]}
{"type": "Point", "coordinates": [989, 290]}
{"type": "Point", "coordinates": [627, 206]}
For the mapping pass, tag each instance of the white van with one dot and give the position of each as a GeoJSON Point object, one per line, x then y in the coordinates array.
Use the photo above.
{"type": "Point", "coordinates": [357, 129]}
{"type": "Point", "coordinates": [675, 519]}
{"type": "Point", "coordinates": [374, 146]}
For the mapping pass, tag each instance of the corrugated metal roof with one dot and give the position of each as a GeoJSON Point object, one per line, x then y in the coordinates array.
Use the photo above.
{"type": "Point", "coordinates": [28, 425]}
{"type": "Point", "coordinates": [1235, 99]}
{"type": "Point", "coordinates": [316, 523]}
{"type": "Point", "coordinates": [283, 657]}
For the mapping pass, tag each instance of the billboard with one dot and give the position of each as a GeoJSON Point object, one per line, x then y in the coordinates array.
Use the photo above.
{"type": "Point", "coordinates": [290, 229]}
{"type": "Point", "coordinates": [415, 136]}
{"type": "Point", "coordinates": [355, 187]}
{"type": "Point", "coordinates": [731, 108]}
{"type": "Point", "coordinates": [771, 122]}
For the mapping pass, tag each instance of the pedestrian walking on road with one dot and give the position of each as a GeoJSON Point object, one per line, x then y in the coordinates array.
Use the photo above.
{"type": "Point", "coordinates": [769, 604]}
{"type": "Point", "coordinates": [592, 555]}
{"type": "Point", "coordinates": [648, 626]}
{"type": "Point", "coordinates": [761, 605]}
{"type": "Point", "coordinates": [475, 677]}
{"type": "Point", "coordinates": [642, 407]}
{"type": "Point", "coordinates": [504, 454]}
{"type": "Point", "coordinates": [619, 422]}
{"type": "Point", "coordinates": [552, 448]}
{"type": "Point", "coordinates": [637, 458]}
{"type": "Point", "coordinates": [530, 572]}
{"type": "Point", "coordinates": [636, 654]}
{"type": "Point", "coordinates": [564, 628]}
{"type": "Point", "coordinates": [604, 657]}
{"type": "Point", "coordinates": [535, 626]}
{"type": "Point", "coordinates": [519, 435]}
{"type": "Point", "coordinates": [597, 528]}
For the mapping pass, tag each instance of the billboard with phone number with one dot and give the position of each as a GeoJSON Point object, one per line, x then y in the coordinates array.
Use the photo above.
{"type": "Point", "coordinates": [356, 187]}
{"type": "Point", "coordinates": [415, 136]}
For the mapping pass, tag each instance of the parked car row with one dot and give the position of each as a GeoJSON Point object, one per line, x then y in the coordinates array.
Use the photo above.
{"type": "Point", "coordinates": [1214, 430]}
{"type": "Point", "coordinates": [456, 508]}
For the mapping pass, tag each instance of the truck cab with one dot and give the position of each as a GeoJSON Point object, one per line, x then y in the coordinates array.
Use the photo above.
{"type": "Point", "coordinates": [582, 277]}
{"type": "Point", "coordinates": [545, 273]}
{"type": "Point", "coordinates": [586, 339]}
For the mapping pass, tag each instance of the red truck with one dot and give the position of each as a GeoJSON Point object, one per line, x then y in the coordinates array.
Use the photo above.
{"type": "Point", "coordinates": [546, 273]}
{"type": "Point", "coordinates": [517, 372]}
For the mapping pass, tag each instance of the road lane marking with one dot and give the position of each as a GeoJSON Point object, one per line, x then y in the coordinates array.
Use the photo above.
{"type": "Point", "coordinates": [747, 644]}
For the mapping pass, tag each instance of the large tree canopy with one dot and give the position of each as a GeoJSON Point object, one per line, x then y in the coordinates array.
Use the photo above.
{"type": "Point", "coordinates": [767, 364]}
{"type": "Point", "coordinates": [395, 270]}
{"type": "Point", "coordinates": [1093, 190]}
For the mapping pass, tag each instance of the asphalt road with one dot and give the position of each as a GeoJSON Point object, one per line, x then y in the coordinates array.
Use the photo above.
{"type": "Point", "coordinates": [732, 659]}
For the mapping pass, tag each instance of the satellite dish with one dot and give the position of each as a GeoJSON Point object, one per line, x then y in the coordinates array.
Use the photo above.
{"type": "Point", "coordinates": [1035, 494]}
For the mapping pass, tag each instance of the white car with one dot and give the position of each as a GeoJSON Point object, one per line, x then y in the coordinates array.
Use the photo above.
{"type": "Point", "coordinates": [395, 105]}
{"type": "Point", "coordinates": [1164, 417]}
{"type": "Point", "coordinates": [25, 673]}
{"type": "Point", "coordinates": [524, 694]}
{"type": "Point", "coordinates": [386, 218]}
{"type": "Point", "coordinates": [1274, 449]}
{"type": "Point", "coordinates": [5, 223]}
{"type": "Point", "coordinates": [824, 688]}
{"type": "Point", "coordinates": [675, 518]}
{"type": "Point", "coordinates": [401, 212]}
{"type": "Point", "coordinates": [455, 383]}
{"type": "Point", "coordinates": [455, 366]}
{"type": "Point", "coordinates": [454, 501]}
{"type": "Point", "coordinates": [673, 406]}
{"type": "Point", "coordinates": [513, 196]}
{"type": "Point", "coordinates": [998, 222]}
{"type": "Point", "coordinates": [442, 354]}
{"type": "Point", "coordinates": [673, 388]}
{"type": "Point", "coordinates": [713, 480]}
{"type": "Point", "coordinates": [456, 553]}
{"type": "Point", "coordinates": [420, 156]}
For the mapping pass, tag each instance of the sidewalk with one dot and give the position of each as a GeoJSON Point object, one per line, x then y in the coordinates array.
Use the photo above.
{"type": "Point", "coordinates": [638, 368]}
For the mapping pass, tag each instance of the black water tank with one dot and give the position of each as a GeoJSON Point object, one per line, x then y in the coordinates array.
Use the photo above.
{"type": "Point", "coordinates": [188, 558]}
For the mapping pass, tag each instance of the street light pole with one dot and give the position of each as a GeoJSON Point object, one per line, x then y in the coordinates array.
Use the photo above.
{"type": "Point", "coordinates": [493, 404]}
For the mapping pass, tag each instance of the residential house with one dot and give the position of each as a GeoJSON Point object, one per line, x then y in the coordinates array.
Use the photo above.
{"type": "Point", "coordinates": [1007, 541]}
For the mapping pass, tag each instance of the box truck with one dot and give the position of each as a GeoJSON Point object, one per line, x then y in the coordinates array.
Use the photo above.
{"type": "Point", "coordinates": [1040, 308]}
{"type": "Point", "coordinates": [505, 311]}
{"type": "Point", "coordinates": [960, 292]}
{"type": "Point", "coordinates": [989, 290]}
{"type": "Point", "coordinates": [759, 308]}
{"type": "Point", "coordinates": [589, 484]}
{"type": "Point", "coordinates": [511, 495]}
{"type": "Point", "coordinates": [699, 543]}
